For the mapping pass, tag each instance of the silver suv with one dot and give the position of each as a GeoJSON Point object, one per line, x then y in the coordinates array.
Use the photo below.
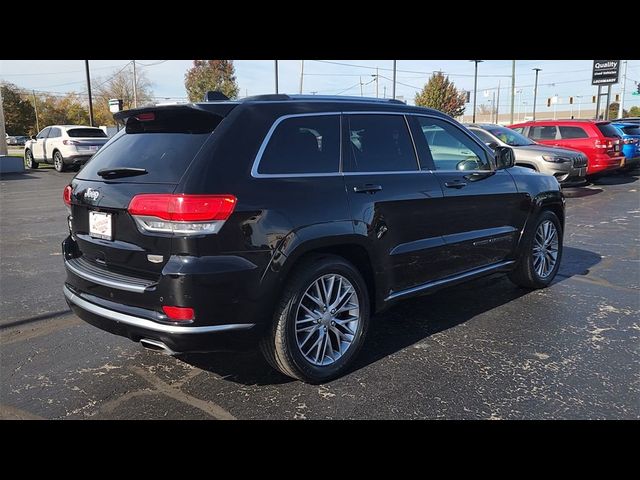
{"type": "Point", "coordinates": [567, 165]}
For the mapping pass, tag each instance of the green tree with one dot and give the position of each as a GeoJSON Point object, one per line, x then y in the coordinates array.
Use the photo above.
{"type": "Point", "coordinates": [633, 112]}
{"type": "Point", "coordinates": [208, 75]}
{"type": "Point", "coordinates": [614, 107]}
{"type": "Point", "coordinates": [19, 115]}
{"type": "Point", "coordinates": [119, 86]}
{"type": "Point", "coordinates": [441, 94]}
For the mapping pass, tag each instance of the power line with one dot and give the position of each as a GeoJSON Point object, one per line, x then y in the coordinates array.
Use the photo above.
{"type": "Point", "coordinates": [55, 73]}
{"type": "Point", "coordinates": [409, 71]}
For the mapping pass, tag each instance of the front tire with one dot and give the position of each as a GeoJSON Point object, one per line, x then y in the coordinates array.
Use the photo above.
{"type": "Point", "coordinates": [541, 253]}
{"type": "Point", "coordinates": [29, 161]}
{"type": "Point", "coordinates": [58, 162]}
{"type": "Point", "coordinates": [320, 322]}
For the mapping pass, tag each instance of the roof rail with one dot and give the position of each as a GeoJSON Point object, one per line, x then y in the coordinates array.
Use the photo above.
{"type": "Point", "coordinates": [319, 98]}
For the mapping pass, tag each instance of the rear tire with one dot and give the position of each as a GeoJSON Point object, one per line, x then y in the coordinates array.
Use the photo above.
{"type": "Point", "coordinates": [537, 266]}
{"type": "Point", "coordinates": [29, 161]}
{"type": "Point", "coordinates": [288, 345]}
{"type": "Point", "coordinates": [58, 162]}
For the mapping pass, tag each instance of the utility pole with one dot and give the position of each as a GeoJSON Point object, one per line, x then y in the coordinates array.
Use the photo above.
{"type": "Point", "coordinates": [493, 106]}
{"type": "Point", "coordinates": [475, 88]}
{"type": "Point", "coordinates": [579, 97]}
{"type": "Point", "coordinates": [513, 87]}
{"type": "Point", "coordinates": [606, 111]}
{"type": "Point", "coordinates": [361, 86]}
{"type": "Point", "coordinates": [624, 82]}
{"type": "Point", "coordinates": [3, 131]}
{"type": "Point", "coordinates": [394, 79]}
{"type": "Point", "coordinates": [135, 86]}
{"type": "Point", "coordinates": [86, 66]}
{"type": "Point", "coordinates": [377, 82]}
{"type": "Point", "coordinates": [498, 105]}
{"type": "Point", "coordinates": [276, 68]}
{"type": "Point", "coordinates": [301, 74]}
{"type": "Point", "coordinates": [535, 93]}
{"type": "Point", "coordinates": [384, 91]}
{"type": "Point", "coordinates": [35, 107]}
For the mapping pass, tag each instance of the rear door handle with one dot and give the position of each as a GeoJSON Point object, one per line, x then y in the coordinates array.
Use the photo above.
{"type": "Point", "coordinates": [368, 188]}
{"type": "Point", "coordinates": [455, 184]}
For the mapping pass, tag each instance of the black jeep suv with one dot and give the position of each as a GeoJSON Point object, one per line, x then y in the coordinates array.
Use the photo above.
{"type": "Point", "coordinates": [288, 221]}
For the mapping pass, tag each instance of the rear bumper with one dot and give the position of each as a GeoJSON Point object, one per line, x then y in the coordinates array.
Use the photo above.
{"type": "Point", "coordinates": [128, 322]}
{"type": "Point", "coordinates": [604, 163]}
{"type": "Point", "coordinates": [76, 159]}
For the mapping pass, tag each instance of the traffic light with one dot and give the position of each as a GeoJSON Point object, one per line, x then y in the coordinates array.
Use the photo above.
{"type": "Point", "coordinates": [638, 89]}
{"type": "Point", "coordinates": [617, 97]}
{"type": "Point", "coordinates": [548, 102]}
{"type": "Point", "coordinates": [593, 99]}
{"type": "Point", "coordinates": [570, 100]}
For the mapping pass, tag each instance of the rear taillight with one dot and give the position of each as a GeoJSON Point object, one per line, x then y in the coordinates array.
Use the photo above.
{"type": "Point", "coordinates": [181, 214]}
{"type": "Point", "coordinates": [179, 314]}
{"type": "Point", "coordinates": [66, 195]}
{"type": "Point", "coordinates": [630, 141]}
{"type": "Point", "coordinates": [69, 142]}
{"type": "Point", "coordinates": [603, 143]}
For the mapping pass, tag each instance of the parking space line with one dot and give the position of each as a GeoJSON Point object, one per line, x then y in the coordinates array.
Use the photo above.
{"type": "Point", "coordinates": [208, 407]}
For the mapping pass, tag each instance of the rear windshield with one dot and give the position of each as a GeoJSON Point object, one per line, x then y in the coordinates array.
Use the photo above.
{"type": "Point", "coordinates": [164, 146]}
{"type": "Point", "coordinates": [608, 130]}
{"type": "Point", "coordinates": [631, 130]}
{"type": "Point", "coordinates": [86, 132]}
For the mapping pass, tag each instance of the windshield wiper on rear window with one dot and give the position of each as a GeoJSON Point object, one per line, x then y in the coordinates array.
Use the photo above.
{"type": "Point", "coordinates": [118, 172]}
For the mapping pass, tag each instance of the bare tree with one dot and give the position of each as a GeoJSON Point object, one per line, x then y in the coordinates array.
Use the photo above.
{"type": "Point", "coordinates": [119, 86]}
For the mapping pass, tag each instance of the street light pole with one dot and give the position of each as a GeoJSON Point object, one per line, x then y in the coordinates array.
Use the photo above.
{"type": "Point", "coordinates": [276, 68]}
{"type": "Point", "coordinates": [86, 66]}
{"type": "Point", "coordinates": [394, 80]}
{"type": "Point", "coordinates": [535, 93]}
{"type": "Point", "coordinates": [301, 74]}
{"type": "Point", "coordinates": [377, 82]}
{"type": "Point", "coordinates": [513, 87]}
{"type": "Point", "coordinates": [135, 86]}
{"type": "Point", "coordinates": [624, 82]}
{"type": "Point", "coordinates": [475, 88]}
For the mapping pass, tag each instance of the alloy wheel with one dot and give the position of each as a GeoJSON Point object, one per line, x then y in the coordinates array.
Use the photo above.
{"type": "Point", "coordinates": [545, 249]}
{"type": "Point", "coordinates": [327, 319]}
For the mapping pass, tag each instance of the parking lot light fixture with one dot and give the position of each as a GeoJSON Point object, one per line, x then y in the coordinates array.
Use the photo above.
{"type": "Point", "coordinates": [475, 87]}
{"type": "Point", "coordinates": [535, 92]}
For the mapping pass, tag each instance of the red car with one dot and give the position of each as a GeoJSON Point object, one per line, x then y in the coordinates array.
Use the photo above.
{"type": "Point", "coordinates": [599, 141]}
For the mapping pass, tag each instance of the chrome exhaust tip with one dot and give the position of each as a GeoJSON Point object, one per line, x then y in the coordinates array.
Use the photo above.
{"type": "Point", "coordinates": [156, 345]}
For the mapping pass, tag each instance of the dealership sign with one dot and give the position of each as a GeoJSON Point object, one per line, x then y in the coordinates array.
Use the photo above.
{"type": "Point", "coordinates": [605, 72]}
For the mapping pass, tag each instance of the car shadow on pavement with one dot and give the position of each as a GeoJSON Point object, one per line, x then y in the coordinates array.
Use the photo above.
{"type": "Point", "coordinates": [579, 192]}
{"type": "Point", "coordinates": [16, 176]}
{"type": "Point", "coordinates": [403, 325]}
{"type": "Point", "coordinates": [621, 178]}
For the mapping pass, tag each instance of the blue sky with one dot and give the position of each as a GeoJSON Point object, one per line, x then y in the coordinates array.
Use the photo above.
{"type": "Point", "coordinates": [558, 77]}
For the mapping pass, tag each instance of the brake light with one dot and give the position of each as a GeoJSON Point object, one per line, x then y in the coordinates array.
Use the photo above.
{"type": "Point", "coordinates": [180, 314]}
{"type": "Point", "coordinates": [66, 195]}
{"type": "Point", "coordinates": [603, 143]}
{"type": "Point", "coordinates": [630, 141]}
{"type": "Point", "coordinates": [146, 117]}
{"type": "Point", "coordinates": [181, 214]}
{"type": "Point", "coordinates": [70, 142]}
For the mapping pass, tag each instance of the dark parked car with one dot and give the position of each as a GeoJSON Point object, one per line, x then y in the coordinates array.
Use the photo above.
{"type": "Point", "coordinates": [289, 221]}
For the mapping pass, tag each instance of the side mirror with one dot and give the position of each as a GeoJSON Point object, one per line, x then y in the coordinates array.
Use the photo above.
{"type": "Point", "coordinates": [492, 145]}
{"type": "Point", "coordinates": [505, 158]}
{"type": "Point", "coordinates": [33, 137]}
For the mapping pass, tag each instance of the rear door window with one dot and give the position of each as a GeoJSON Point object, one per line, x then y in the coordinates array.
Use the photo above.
{"type": "Point", "coordinates": [164, 143]}
{"type": "Point", "coordinates": [378, 143]}
{"type": "Point", "coordinates": [303, 145]}
{"type": "Point", "coordinates": [567, 133]}
{"type": "Point", "coordinates": [543, 132]}
{"type": "Point", "coordinates": [43, 133]}
{"type": "Point", "coordinates": [608, 130]}
{"type": "Point", "coordinates": [54, 132]}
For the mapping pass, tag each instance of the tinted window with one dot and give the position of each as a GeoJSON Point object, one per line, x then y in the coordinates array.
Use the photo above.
{"type": "Point", "coordinates": [164, 146]}
{"type": "Point", "coordinates": [608, 130]}
{"type": "Point", "coordinates": [631, 130]}
{"type": "Point", "coordinates": [543, 133]}
{"type": "Point", "coordinates": [450, 148]}
{"type": "Point", "coordinates": [510, 137]}
{"type": "Point", "coordinates": [572, 132]}
{"type": "Point", "coordinates": [379, 143]}
{"type": "Point", "coordinates": [482, 135]}
{"type": "Point", "coordinates": [44, 133]}
{"type": "Point", "coordinates": [86, 132]}
{"type": "Point", "coordinates": [308, 144]}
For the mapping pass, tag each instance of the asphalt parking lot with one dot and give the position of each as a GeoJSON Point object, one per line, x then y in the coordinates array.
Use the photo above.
{"type": "Point", "coordinates": [486, 350]}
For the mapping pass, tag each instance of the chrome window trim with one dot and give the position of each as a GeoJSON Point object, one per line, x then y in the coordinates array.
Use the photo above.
{"type": "Point", "coordinates": [148, 324]}
{"type": "Point", "coordinates": [267, 138]}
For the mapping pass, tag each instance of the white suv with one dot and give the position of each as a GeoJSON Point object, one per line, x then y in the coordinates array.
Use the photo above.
{"type": "Point", "coordinates": [63, 145]}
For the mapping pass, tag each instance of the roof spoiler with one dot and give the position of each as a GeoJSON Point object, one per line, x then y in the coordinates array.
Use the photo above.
{"type": "Point", "coordinates": [124, 114]}
{"type": "Point", "coordinates": [215, 96]}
